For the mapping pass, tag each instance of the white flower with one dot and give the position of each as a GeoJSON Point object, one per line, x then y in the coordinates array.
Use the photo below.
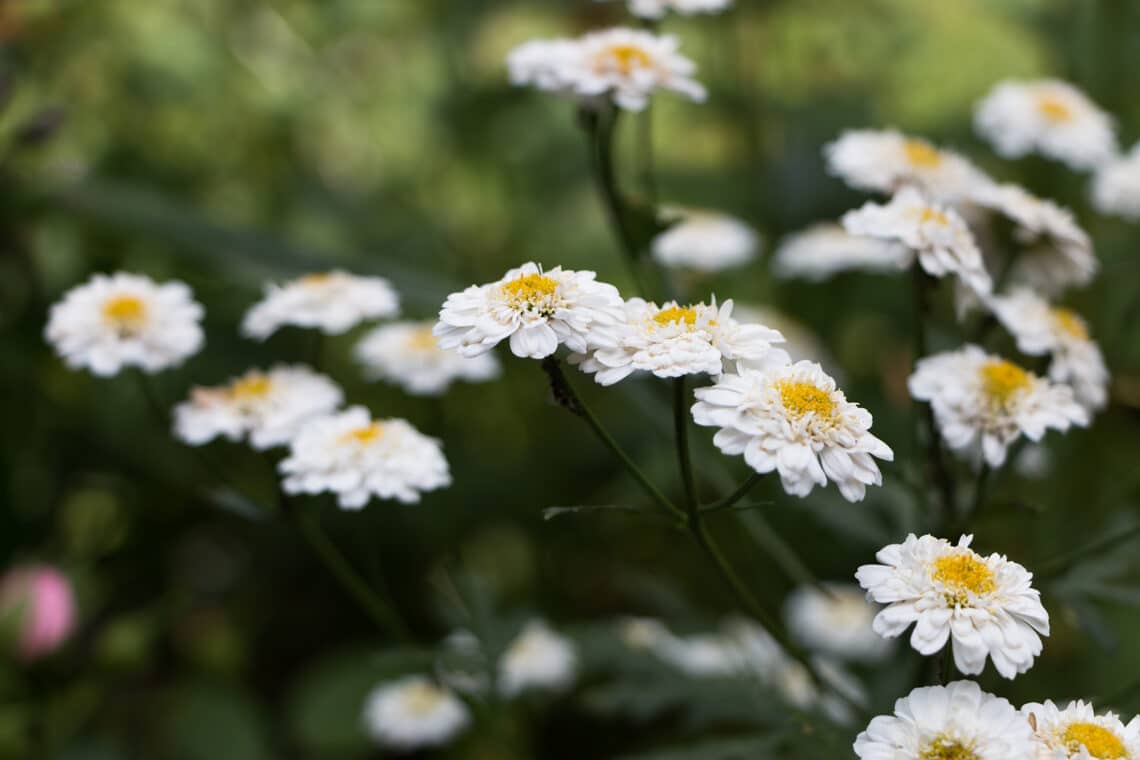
{"type": "Point", "coordinates": [672, 341]}
{"type": "Point", "coordinates": [537, 310]}
{"type": "Point", "coordinates": [548, 65]}
{"type": "Point", "coordinates": [985, 606]}
{"type": "Point", "coordinates": [1116, 186]}
{"type": "Point", "coordinates": [357, 458]}
{"type": "Point", "coordinates": [984, 401]}
{"type": "Point", "coordinates": [706, 241]}
{"type": "Point", "coordinates": [413, 712]}
{"type": "Point", "coordinates": [655, 9]}
{"type": "Point", "coordinates": [794, 420]}
{"type": "Point", "coordinates": [538, 658]}
{"type": "Point", "coordinates": [835, 622]}
{"type": "Point", "coordinates": [407, 354]}
{"type": "Point", "coordinates": [1046, 116]}
{"type": "Point", "coordinates": [270, 407]}
{"type": "Point", "coordinates": [800, 342]}
{"type": "Point", "coordinates": [958, 721]}
{"type": "Point", "coordinates": [332, 302]}
{"type": "Point", "coordinates": [1040, 328]}
{"type": "Point", "coordinates": [1078, 733]}
{"type": "Point", "coordinates": [936, 233]}
{"type": "Point", "coordinates": [125, 320]}
{"type": "Point", "coordinates": [821, 250]}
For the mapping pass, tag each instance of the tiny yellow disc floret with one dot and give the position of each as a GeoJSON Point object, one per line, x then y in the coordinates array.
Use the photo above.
{"type": "Point", "coordinates": [366, 434]}
{"type": "Point", "coordinates": [422, 339]}
{"type": "Point", "coordinates": [963, 572]}
{"type": "Point", "coordinates": [422, 698]}
{"type": "Point", "coordinates": [921, 154]}
{"type": "Point", "coordinates": [1054, 109]}
{"type": "Point", "coordinates": [802, 399]}
{"type": "Point", "coordinates": [947, 749]}
{"type": "Point", "coordinates": [629, 57]}
{"type": "Point", "coordinates": [1069, 322]}
{"type": "Point", "coordinates": [531, 287]}
{"type": "Point", "coordinates": [934, 215]}
{"type": "Point", "coordinates": [1099, 741]}
{"type": "Point", "coordinates": [251, 386]}
{"type": "Point", "coordinates": [124, 310]}
{"type": "Point", "coordinates": [685, 314]}
{"type": "Point", "coordinates": [1002, 380]}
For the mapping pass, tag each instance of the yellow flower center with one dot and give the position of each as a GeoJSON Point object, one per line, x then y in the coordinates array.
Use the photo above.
{"type": "Point", "coordinates": [254, 385]}
{"type": "Point", "coordinates": [678, 314]}
{"type": "Point", "coordinates": [531, 287]}
{"type": "Point", "coordinates": [367, 434]}
{"type": "Point", "coordinates": [1099, 741]}
{"type": "Point", "coordinates": [125, 312]}
{"type": "Point", "coordinates": [422, 339]}
{"type": "Point", "coordinates": [947, 749]}
{"type": "Point", "coordinates": [1002, 380]}
{"type": "Point", "coordinates": [1070, 322]}
{"type": "Point", "coordinates": [921, 154]}
{"type": "Point", "coordinates": [933, 215]}
{"type": "Point", "coordinates": [1054, 109]}
{"type": "Point", "coordinates": [628, 57]}
{"type": "Point", "coordinates": [317, 278]}
{"type": "Point", "coordinates": [421, 699]}
{"type": "Point", "coordinates": [963, 572]}
{"type": "Point", "coordinates": [802, 399]}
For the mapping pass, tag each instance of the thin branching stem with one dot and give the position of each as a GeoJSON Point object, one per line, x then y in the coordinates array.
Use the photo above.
{"type": "Point", "coordinates": [681, 431]}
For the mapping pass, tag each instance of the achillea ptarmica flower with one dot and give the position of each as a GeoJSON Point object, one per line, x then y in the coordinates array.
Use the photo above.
{"type": "Point", "coordinates": [1116, 186]}
{"type": "Point", "coordinates": [1046, 116]}
{"type": "Point", "coordinates": [984, 606]}
{"type": "Point", "coordinates": [408, 354]}
{"type": "Point", "coordinates": [536, 309]}
{"type": "Point", "coordinates": [40, 602]}
{"type": "Point", "coordinates": [332, 302]}
{"type": "Point", "coordinates": [835, 622]}
{"type": "Point", "coordinates": [794, 420]}
{"type": "Point", "coordinates": [958, 721]}
{"type": "Point", "coordinates": [269, 407]}
{"type": "Point", "coordinates": [356, 457]}
{"type": "Point", "coordinates": [538, 658]}
{"type": "Point", "coordinates": [548, 65]}
{"type": "Point", "coordinates": [125, 320]}
{"type": "Point", "coordinates": [673, 340]}
{"type": "Point", "coordinates": [706, 241]}
{"type": "Point", "coordinates": [1078, 733]}
{"type": "Point", "coordinates": [800, 341]}
{"type": "Point", "coordinates": [985, 402]}
{"type": "Point", "coordinates": [655, 9]}
{"type": "Point", "coordinates": [414, 712]}
{"type": "Point", "coordinates": [935, 232]}
{"type": "Point", "coordinates": [822, 250]}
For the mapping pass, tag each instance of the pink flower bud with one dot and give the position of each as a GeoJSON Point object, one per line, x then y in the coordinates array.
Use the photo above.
{"type": "Point", "coordinates": [42, 598]}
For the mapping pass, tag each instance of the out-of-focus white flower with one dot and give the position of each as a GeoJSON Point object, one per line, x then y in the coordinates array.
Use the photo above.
{"type": "Point", "coordinates": [356, 458]}
{"type": "Point", "coordinates": [705, 241]}
{"type": "Point", "coordinates": [936, 233]}
{"type": "Point", "coordinates": [985, 402]}
{"type": "Point", "coordinates": [822, 250]}
{"type": "Point", "coordinates": [984, 606]}
{"type": "Point", "coordinates": [412, 713]}
{"type": "Point", "coordinates": [408, 354]}
{"type": "Point", "coordinates": [125, 320]}
{"type": "Point", "coordinates": [332, 302]}
{"type": "Point", "coordinates": [794, 420]}
{"type": "Point", "coordinates": [673, 340]}
{"type": "Point", "coordinates": [1116, 186]}
{"type": "Point", "coordinates": [1047, 116]}
{"type": "Point", "coordinates": [800, 342]}
{"type": "Point", "coordinates": [536, 309]}
{"type": "Point", "coordinates": [655, 9]}
{"type": "Point", "coordinates": [538, 658]}
{"type": "Point", "coordinates": [835, 622]}
{"type": "Point", "coordinates": [1078, 733]}
{"type": "Point", "coordinates": [548, 65]}
{"type": "Point", "coordinates": [642, 632]}
{"type": "Point", "coordinates": [270, 407]}
{"type": "Point", "coordinates": [958, 721]}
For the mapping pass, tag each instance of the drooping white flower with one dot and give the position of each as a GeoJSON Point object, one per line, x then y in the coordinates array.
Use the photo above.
{"type": "Point", "coordinates": [958, 721]}
{"type": "Point", "coordinates": [795, 421]}
{"type": "Point", "coordinates": [408, 354]}
{"type": "Point", "coordinates": [835, 622]}
{"type": "Point", "coordinates": [332, 302]}
{"type": "Point", "coordinates": [269, 407]}
{"type": "Point", "coordinates": [706, 241]}
{"type": "Point", "coordinates": [1078, 733]}
{"type": "Point", "coordinates": [1046, 116]}
{"type": "Point", "coordinates": [538, 658]}
{"type": "Point", "coordinates": [984, 402]}
{"type": "Point", "coordinates": [935, 232]}
{"type": "Point", "coordinates": [412, 713]}
{"type": "Point", "coordinates": [1116, 186]}
{"type": "Point", "coordinates": [984, 606]}
{"type": "Point", "coordinates": [356, 458]}
{"type": "Point", "coordinates": [536, 309]}
{"type": "Point", "coordinates": [125, 320]}
{"type": "Point", "coordinates": [822, 250]}
{"type": "Point", "coordinates": [655, 9]}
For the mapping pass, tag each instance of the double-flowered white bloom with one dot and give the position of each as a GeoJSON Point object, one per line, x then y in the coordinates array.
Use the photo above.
{"type": "Point", "coordinates": [706, 241]}
{"type": "Point", "coordinates": [1046, 116]}
{"type": "Point", "coordinates": [408, 354]}
{"type": "Point", "coordinates": [1078, 733]}
{"type": "Point", "coordinates": [835, 621]}
{"type": "Point", "coordinates": [537, 310]}
{"type": "Point", "coordinates": [655, 9]}
{"type": "Point", "coordinates": [356, 457]}
{"type": "Point", "coordinates": [538, 658]}
{"type": "Point", "coordinates": [332, 302]}
{"type": "Point", "coordinates": [269, 407]}
{"type": "Point", "coordinates": [822, 250]}
{"type": "Point", "coordinates": [887, 161]}
{"type": "Point", "coordinates": [985, 402]}
{"type": "Point", "coordinates": [547, 65]}
{"type": "Point", "coordinates": [984, 606]}
{"type": "Point", "coordinates": [125, 320]}
{"type": "Point", "coordinates": [958, 721]}
{"type": "Point", "coordinates": [413, 713]}
{"type": "Point", "coordinates": [794, 420]}
{"type": "Point", "coordinates": [1116, 186]}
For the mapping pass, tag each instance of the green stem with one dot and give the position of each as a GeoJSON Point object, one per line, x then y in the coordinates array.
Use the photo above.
{"type": "Point", "coordinates": [741, 491]}
{"type": "Point", "coordinates": [946, 668]}
{"type": "Point", "coordinates": [985, 476]}
{"type": "Point", "coordinates": [681, 431]}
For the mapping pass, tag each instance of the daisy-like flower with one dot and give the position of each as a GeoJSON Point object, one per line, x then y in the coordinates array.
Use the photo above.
{"type": "Point", "coordinates": [1047, 116]}
{"type": "Point", "coordinates": [985, 402]}
{"type": "Point", "coordinates": [800, 341]}
{"type": "Point", "coordinates": [655, 9]}
{"type": "Point", "coordinates": [673, 340]}
{"type": "Point", "coordinates": [822, 250]}
{"type": "Point", "coordinates": [408, 354]}
{"type": "Point", "coordinates": [1040, 329]}
{"type": "Point", "coordinates": [270, 407]}
{"type": "Point", "coordinates": [356, 457]}
{"type": "Point", "coordinates": [414, 712]}
{"type": "Point", "coordinates": [547, 65]}
{"type": "Point", "coordinates": [957, 721]}
{"type": "Point", "coordinates": [538, 658]}
{"type": "Point", "coordinates": [835, 622]}
{"type": "Point", "coordinates": [794, 420]}
{"type": "Point", "coordinates": [1116, 186]}
{"type": "Point", "coordinates": [125, 320]}
{"type": "Point", "coordinates": [1078, 733]}
{"type": "Point", "coordinates": [706, 241]}
{"type": "Point", "coordinates": [332, 302]}
{"type": "Point", "coordinates": [984, 606]}
{"type": "Point", "coordinates": [935, 232]}
{"type": "Point", "coordinates": [536, 309]}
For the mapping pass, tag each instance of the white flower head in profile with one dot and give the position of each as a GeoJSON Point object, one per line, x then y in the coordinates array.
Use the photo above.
{"type": "Point", "coordinates": [1078, 733]}
{"type": "Point", "coordinates": [822, 250]}
{"type": "Point", "coordinates": [705, 241]}
{"type": "Point", "coordinates": [655, 9]}
{"type": "Point", "coordinates": [630, 65]}
{"type": "Point", "coordinates": [984, 402]}
{"type": "Point", "coordinates": [122, 320]}
{"type": "Point", "coordinates": [800, 341]}
{"type": "Point", "coordinates": [1049, 117]}
{"type": "Point", "coordinates": [547, 65]}
{"type": "Point", "coordinates": [538, 658]}
{"type": "Point", "coordinates": [835, 621]}
{"type": "Point", "coordinates": [984, 606]}
{"type": "Point", "coordinates": [408, 354]}
{"type": "Point", "coordinates": [1116, 186]}
{"type": "Point", "coordinates": [935, 232]}
{"type": "Point", "coordinates": [413, 713]}
{"type": "Point", "coordinates": [537, 310]}
{"type": "Point", "coordinates": [332, 302]}
{"type": "Point", "coordinates": [270, 407]}
{"type": "Point", "coordinates": [957, 721]}
{"type": "Point", "coordinates": [795, 421]}
{"type": "Point", "coordinates": [355, 457]}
